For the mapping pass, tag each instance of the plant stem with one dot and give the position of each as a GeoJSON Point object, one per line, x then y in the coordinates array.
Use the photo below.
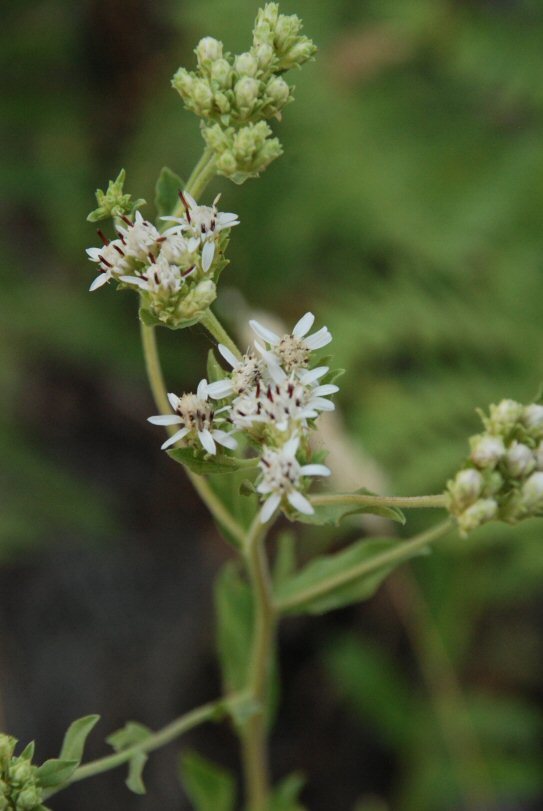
{"type": "Point", "coordinates": [397, 555]}
{"type": "Point", "coordinates": [254, 735]}
{"type": "Point", "coordinates": [405, 502]}
{"type": "Point", "coordinates": [158, 388]}
{"type": "Point", "coordinates": [207, 712]}
{"type": "Point", "coordinates": [216, 329]}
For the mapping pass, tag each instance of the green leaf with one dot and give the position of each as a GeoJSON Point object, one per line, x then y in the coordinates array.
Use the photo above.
{"type": "Point", "coordinates": [285, 560]}
{"type": "Point", "coordinates": [285, 795]}
{"type": "Point", "coordinates": [131, 734]}
{"type": "Point", "coordinates": [73, 744]}
{"type": "Point", "coordinates": [203, 464]}
{"type": "Point", "coordinates": [327, 567]}
{"type": "Point", "coordinates": [28, 751]}
{"type": "Point", "coordinates": [333, 514]}
{"type": "Point", "coordinates": [208, 786]}
{"type": "Point", "coordinates": [134, 781]}
{"type": "Point", "coordinates": [243, 508]}
{"type": "Point", "coordinates": [234, 624]}
{"type": "Point", "coordinates": [56, 771]}
{"type": "Point", "coordinates": [167, 191]}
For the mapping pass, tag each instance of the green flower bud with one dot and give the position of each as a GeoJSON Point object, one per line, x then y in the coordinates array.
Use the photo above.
{"type": "Point", "coordinates": [222, 73]}
{"type": "Point", "coordinates": [539, 456]}
{"type": "Point", "coordinates": [504, 416]}
{"type": "Point", "coordinates": [28, 799]}
{"type": "Point", "coordinates": [533, 418]}
{"type": "Point", "coordinates": [113, 202]}
{"type": "Point", "coordinates": [246, 64]}
{"type": "Point", "coordinates": [226, 163]}
{"type": "Point", "coordinates": [20, 771]}
{"type": "Point", "coordinates": [247, 91]}
{"type": "Point", "coordinates": [466, 487]}
{"type": "Point", "coordinates": [486, 450]}
{"type": "Point", "coordinates": [208, 50]}
{"type": "Point", "coordinates": [301, 52]}
{"type": "Point", "coordinates": [7, 745]}
{"type": "Point", "coordinates": [479, 513]}
{"type": "Point", "coordinates": [198, 300]}
{"type": "Point", "coordinates": [269, 14]}
{"type": "Point", "coordinates": [287, 29]}
{"type": "Point", "coordinates": [278, 91]}
{"type": "Point", "coordinates": [202, 97]}
{"type": "Point", "coordinates": [264, 54]}
{"type": "Point", "coordinates": [183, 82]}
{"type": "Point", "coordinates": [532, 493]}
{"type": "Point", "coordinates": [519, 460]}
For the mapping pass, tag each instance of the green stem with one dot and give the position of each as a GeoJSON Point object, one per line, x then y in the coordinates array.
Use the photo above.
{"type": "Point", "coordinates": [207, 712]}
{"type": "Point", "coordinates": [397, 555]}
{"type": "Point", "coordinates": [216, 329]}
{"type": "Point", "coordinates": [405, 502]}
{"type": "Point", "coordinates": [158, 388]}
{"type": "Point", "coordinates": [254, 735]}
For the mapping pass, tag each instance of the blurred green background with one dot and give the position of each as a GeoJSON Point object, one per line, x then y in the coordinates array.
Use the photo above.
{"type": "Point", "coordinates": [406, 212]}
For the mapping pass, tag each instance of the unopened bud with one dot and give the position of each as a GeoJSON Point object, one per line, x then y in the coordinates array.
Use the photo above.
{"type": "Point", "coordinates": [301, 52]}
{"type": "Point", "coordinates": [532, 493]}
{"type": "Point", "coordinates": [479, 513]}
{"type": "Point", "coordinates": [486, 450]}
{"type": "Point", "coordinates": [533, 418]}
{"type": "Point", "coordinates": [183, 82]}
{"type": "Point", "coordinates": [264, 54]}
{"type": "Point", "coordinates": [221, 72]}
{"type": "Point", "coordinates": [202, 96]}
{"type": "Point", "coordinates": [20, 771]}
{"type": "Point", "coordinates": [519, 460]}
{"type": "Point", "coordinates": [278, 91]}
{"type": "Point", "coordinates": [208, 50]}
{"type": "Point", "coordinates": [538, 453]}
{"type": "Point", "coordinates": [504, 416]}
{"type": "Point", "coordinates": [222, 102]}
{"type": "Point", "coordinates": [198, 300]}
{"type": "Point", "coordinates": [28, 799]}
{"type": "Point", "coordinates": [246, 91]}
{"type": "Point", "coordinates": [246, 64]}
{"type": "Point", "coordinates": [466, 487]}
{"type": "Point", "coordinates": [226, 163]}
{"type": "Point", "coordinates": [7, 745]}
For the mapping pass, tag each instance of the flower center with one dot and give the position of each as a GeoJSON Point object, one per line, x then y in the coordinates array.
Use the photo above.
{"type": "Point", "coordinates": [196, 414]}
{"type": "Point", "coordinates": [293, 353]}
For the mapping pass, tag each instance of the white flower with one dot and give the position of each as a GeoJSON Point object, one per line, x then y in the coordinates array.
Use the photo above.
{"type": "Point", "coordinates": [533, 416]}
{"type": "Point", "coordinates": [246, 373]}
{"type": "Point", "coordinates": [519, 460]}
{"type": "Point", "coordinates": [138, 238]}
{"type": "Point", "coordinates": [197, 418]}
{"type": "Point", "coordinates": [160, 277]}
{"type": "Point", "coordinates": [281, 479]}
{"type": "Point", "coordinates": [112, 261]}
{"type": "Point", "coordinates": [487, 450]}
{"type": "Point", "coordinates": [291, 351]}
{"type": "Point", "coordinates": [175, 248]}
{"type": "Point", "coordinates": [203, 224]}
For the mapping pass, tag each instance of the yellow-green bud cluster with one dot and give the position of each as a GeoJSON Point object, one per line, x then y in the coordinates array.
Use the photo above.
{"type": "Point", "coordinates": [19, 786]}
{"type": "Point", "coordinates": [114, 202]}
{"type": "Point", "coordinates": [503, 476]}
{"type": "Point", "coordinates": [233, 93]}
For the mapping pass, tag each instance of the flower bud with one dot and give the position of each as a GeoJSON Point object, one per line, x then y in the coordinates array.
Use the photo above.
{"type": "Point", "coordinates": [216, 138]}
{"type": "Point", "coordinates": [479, 513]}
{"type": "Point", "coordinates": [301, 52]}
{"type": "Point", "coordinates": [538, 454]}
{"type": "Point", "coordinates": [20, 771]}
{"type": "Point", "coordinates": [287, 29]}
{"type": "Point", "coordinates": [202, 97]}
{"type": "Point", "coordinates": [221, 72]}
{"type": "Point", "coordinates": [246, 64]}
{"type": "Point", "coordinates": [28, 799]}
{"type": "Point", "coordinates": [183, 82]}
{"type": "Point", "coordinates": [466, 487]}
{"type": "Point", "coordinates": [226, 163]}
{"type": "Point", "coordinates": [269, 14]}
{"type": "Point", "coordinates": [7, 745]}
{"type": "Point", "coordinates": [504, 416]}
{"type": "Point", "coordinates": [246, 91]}
{"type": "Point", "coordinates": [533, 418]}
{"type": "Point", "coordinates": [486, 450]}
{"type": "Point", "coordinates": [222, 102]}
{"type": "Point", "coordinates": [198, 300]}
{"type": "Point", "coordinates": [208, 50]}
{"type": "Point", "coordinates": [532, 493]}
{"type": "Point", "coordinates": [264, 54]}
{"type": "Point", "coordinates": [519, 460]}
{"type": "Point", "coordinates": [278, 91]}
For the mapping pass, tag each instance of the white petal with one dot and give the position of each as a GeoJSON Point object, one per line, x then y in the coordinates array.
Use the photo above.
{"type": "Point", "coordinates": [224, 439]}
{"type": "Point", "coordinates": [220, 389]}
{"type": "Point", "coordinates": [229, 356]}
{"type": "Point", "coordinates": [315, 470]}
{"type": "Point", "coordinates": [291, 446]}
{"type": "Point", "coordinates": [304, 325]}
{"type": "Point", "coordinates": [190, 200]}
{"type": "Point", "coordinates": [175, 438]}
{"type": "Point", "coordinates": [201, 391]}
{"type": "Point", "coordinates": [99, 281]}
{"type": "Point", "coordinates": [208, 443]}
{"type": "Point", "coordinates": [178, 220]}
{"type": "Point", "coordinates": [300, 503]}
{"type": "Point", "coordinates": [165, 419]}
{"type": "Point", "coordinates": [274, 368]}
{"type": "Point", "coordinates": [321, 404]}
{"type": "Point", "coordinates": [324, 391]}
{"type": "Point", "coordinates": [227, 219]}
{"type": "Point", "coordinates": [318, 339]}
{"type": "Point", "coordinates": [135, 280]}
{"type": "Point", "coordinates": [192, 244]}
{"type": "Point", "coordinates": [308, 414]}
{"type": "Point", "coordinates": [264, 333]}
{"type": "Point", "coordinates": [94, 254]}
{"type": "Point", "coordinates": [269, 507]}
{"type": "Point", "coordinates": [173, 399]}
{"type": "Point", "coordinates": [312, 375]}
{"type": "Point", "coordinates": [208, 253]}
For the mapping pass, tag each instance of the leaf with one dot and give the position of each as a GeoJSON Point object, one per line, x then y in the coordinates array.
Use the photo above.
{"type": "Point", "coordinates": [234, 626]}
{"type": "Point", "coordinates": [167, 190]}
{"type": "Point", "coordinates": [327, 567]}
{"type": "Point", "coordinates": [134, 781]}
{"type": "Point", "coordinates": [285, 795]}
{"type": "Point", "coordinates": [285, 560]}
{"type": "Point", "coordinates": [28, 751]}
{"type": "Point", "coordinates": [73, 744]}
{"type": "Point", "coordinates": [131, 734]}
{"type": "Point", "coordinates": [333, 514]}
{"type": "Point", "coordinates": [214, 369]}
{"type": "Point", "coordinates": [208, 786]}
{"type": "Point", "coordinates": [54, 772]}
{"type": "Point", "coordinates": [204, 465]}
{"type": "Point", "coordinates": [243, 508]}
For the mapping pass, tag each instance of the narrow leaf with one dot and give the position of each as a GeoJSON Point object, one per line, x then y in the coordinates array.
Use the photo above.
{"type": "Point", "coordinates": [55, 772]}
{"type": "Point", "coordinates": [167, 190]}
{"type": "Point", "coordinates": [73, 744]}
{"type": "Point", "coordinates": [134, 781]}
{"type": "Point", "coordinates": [28, 751]}
{"type": "Point", "coordinates": [234, 613]}
{"type": "Point", "coordinates": [199, 463]}
{"type": "Point", "coordinates": [285, 795]}
{"type": "Point", "coordinates": [208, 786]}
{"type": "Point", "coordinates": [131, 734]}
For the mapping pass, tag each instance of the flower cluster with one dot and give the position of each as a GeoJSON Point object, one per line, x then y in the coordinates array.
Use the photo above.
{"type": "Point", "coordinates": [175, 271]}
{"type": "Point", "coordinates": [235, 94]}
{"type": "Point", "coordinates": [19, 785]}
{"type": "Point", "coordinates": [503, 477]}
{"type": "Point", "coordinates": [272, 395]}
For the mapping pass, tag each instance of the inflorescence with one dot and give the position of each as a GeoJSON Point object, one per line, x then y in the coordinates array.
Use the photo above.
{"type": "Point", "coordinates": [20, 789]}
{"type": "Point", "coordinates": [272, 397]}
{"type": "Point", "coordinates": [503, 477]}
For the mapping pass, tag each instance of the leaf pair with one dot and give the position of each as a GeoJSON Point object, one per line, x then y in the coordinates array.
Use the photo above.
{"type": "Point", "coordinates": [58, 771]}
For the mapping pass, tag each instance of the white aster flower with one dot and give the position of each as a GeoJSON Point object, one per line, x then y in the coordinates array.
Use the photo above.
{"type": "Point", "coordinates": [139, 237]}
{"type": "Point", "coordinates": [197, 419]}
{"type": "Point", "coordinates": [282, 476]}
{"type": "Point", "coordinates": [246, 373]}
{"type": "Point", "coordinates": [290, 352]}
{"type": "Point", "coordinates": [159, 278]}
{"type": "Point", "coordinates": [111, 259]}
{"type": "Point", "coordinates": [175, 248]}
{"type": "Point", "coordinates": [202, 225]}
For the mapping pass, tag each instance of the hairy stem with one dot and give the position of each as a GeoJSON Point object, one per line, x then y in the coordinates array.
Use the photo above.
{"type": "Point", "coordinates": [158, 388]}
{"type": "Point", "coordinates": [216, 329]}
{"type": "Point", "coordinates": [405, 502]}
{"type": "Point", "coordinates": [397, 555]}
{"type": "Point", "coordinates": [207, 712]}
{"type": "Point", "coordinates": [254, 735]}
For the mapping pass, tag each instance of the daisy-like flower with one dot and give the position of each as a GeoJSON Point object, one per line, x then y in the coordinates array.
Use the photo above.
{"type": "Point", "coordinates": [292, 351]}
{"type": "Point", "coordinates": [246, 373]}
{"type": "Point", "coordinates": [202, 225]}
{"type": "Point", "coordinates": [112, 261]}
{"type": "Point", "coordinates": [281, 478]}
{"type": "Point", "coordinates": [159, 278]}
{"type": "Point", "coordinates": [138, 238]}
{"type": "Point", "coordinates": [197, 419]}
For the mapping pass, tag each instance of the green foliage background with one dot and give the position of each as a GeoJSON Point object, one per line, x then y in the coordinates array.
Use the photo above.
{"type": "Point", "coordinates": [406, 212]}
